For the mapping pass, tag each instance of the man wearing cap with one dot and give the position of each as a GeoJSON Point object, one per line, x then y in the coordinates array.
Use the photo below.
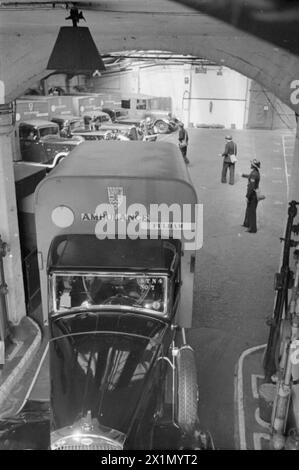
{"type": "Point", "coordinates": [183, 142]}
{"type": "Point", "coordinates": [230, 149]}
{"type": "Point", "coordinates": [253, 184]}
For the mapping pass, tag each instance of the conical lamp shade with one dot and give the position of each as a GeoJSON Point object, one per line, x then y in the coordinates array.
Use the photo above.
{"type": "Point", "coordinates": [75, 51]}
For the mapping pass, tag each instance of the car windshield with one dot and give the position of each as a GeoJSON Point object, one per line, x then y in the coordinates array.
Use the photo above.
{"type": "Point", "coordinates": [81, 290]}
{"type": "Point", "coordinates": [44, 131]}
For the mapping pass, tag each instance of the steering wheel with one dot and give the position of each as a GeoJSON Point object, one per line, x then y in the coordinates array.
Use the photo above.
{"type": "Point", "coordinates": [119, 299]}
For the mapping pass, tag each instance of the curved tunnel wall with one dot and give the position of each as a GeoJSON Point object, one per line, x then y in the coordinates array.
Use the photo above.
{"type": "Point", "coordinates": [24, 55]}
{"type": "Point", "coordinates": [24, 61]}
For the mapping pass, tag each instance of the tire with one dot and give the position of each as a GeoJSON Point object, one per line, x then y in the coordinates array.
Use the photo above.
{"type": "Point", "coordinates": [187, 390]}
{"type": "Point", "coordinates": [161, 126]}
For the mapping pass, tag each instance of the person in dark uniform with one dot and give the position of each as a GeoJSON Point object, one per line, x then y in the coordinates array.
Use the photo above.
{"type": "Point", "coordinates": [183, 142]}
{"type": "Point", "coordinates": [230, 149]}
{"type": "Point", "coordinates": [253, 184]}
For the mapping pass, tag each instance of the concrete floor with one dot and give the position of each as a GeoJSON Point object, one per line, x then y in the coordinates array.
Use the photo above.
{"type": "Point", "coordinates": [235, 270]}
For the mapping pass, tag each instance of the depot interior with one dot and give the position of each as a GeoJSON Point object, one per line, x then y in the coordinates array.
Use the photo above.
{"type": "Point", "coordinates": [204, 72]}
{"type": "Point", "coordinates": [199, 93]}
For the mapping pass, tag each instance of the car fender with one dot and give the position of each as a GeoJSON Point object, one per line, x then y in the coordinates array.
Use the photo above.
{"type": "Point", "coordinates": [58, 157]}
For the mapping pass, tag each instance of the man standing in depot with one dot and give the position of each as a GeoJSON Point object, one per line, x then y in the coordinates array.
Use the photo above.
{"type": "Point", "coordinates": [253, 184]}
{"type": "Point", "coordinates": [229, 160]}
{"type": "Point", "coordinates": [183, 142]}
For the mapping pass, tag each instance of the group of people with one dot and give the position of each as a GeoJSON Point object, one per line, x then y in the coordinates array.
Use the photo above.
{"type": "Point", "coordinates": [229, 161]}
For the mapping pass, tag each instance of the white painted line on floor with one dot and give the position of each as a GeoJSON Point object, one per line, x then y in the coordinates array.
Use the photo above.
{"type": "Point", "coordinates": [16, 349]}
{"type": "Point", "coordinates": [254, 388]}
{"type": "Point", "coordinates": [257, 438]}
{"type": "Point", "coordinates": [34, 378]}
{"type": "Point", "coordinates": [239, 396]}
{"type": "Point", "coordinates": [277, 168]}
{"type": "Point", "coordinates": [260, 421]}
{"type": "Point", "coordinates": [285, 166]}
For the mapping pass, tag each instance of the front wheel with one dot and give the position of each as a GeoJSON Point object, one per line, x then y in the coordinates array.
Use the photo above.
{"type": "Point", "coordinates": [187, 390]}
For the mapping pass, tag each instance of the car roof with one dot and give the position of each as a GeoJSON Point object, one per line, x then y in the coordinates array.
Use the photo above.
{"type": "Point", "coordinates": [95, 112]}
{"type": "Point", "coordinates": [38, 123]}
{"type": "Point", "coordinates": [86, 250]}
{"type": "Point", "coordinates": [64, 117]}
{"type": "Point", "coordinates": [133, 159]}
{"type": "Point", "coordinates": [115, 108]}
{"type": "Point", "coordinates": [116, 126]}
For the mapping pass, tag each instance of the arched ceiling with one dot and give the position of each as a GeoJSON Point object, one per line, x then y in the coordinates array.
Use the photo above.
{"type": "Point", "coordinates": [27, 36]}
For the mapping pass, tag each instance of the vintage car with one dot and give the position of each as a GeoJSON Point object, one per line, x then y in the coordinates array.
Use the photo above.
{"type": "Point", "coordinates": [122, 373]}
{"type": "Point", "coordinates": [94, 119]}
{"type": "Point", "coordinates": [40, 142]}
{"type": "Point", "coordinates": [115, 131]}
{"type": "Point", "coordinates": [163, 122]}
{"type": "Point", "coordinates": [159, 125]}
{"type": "Point", "coordinates": [116, 113]}
{"type": "Point", "coordinates": [68, 123]}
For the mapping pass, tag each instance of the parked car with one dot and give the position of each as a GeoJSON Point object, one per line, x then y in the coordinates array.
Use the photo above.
{"type": "Point", "coordinates": [161, 122]}
{"type": "Point", "coordinates": [93, 120]}
{"type": "Point", "coordinates": [122, 373]}
{"type": "Point", "coordinates": [40, 142]}
{"type": "Point", "coordinates": [116, 113]}
{"type": "Point", "coordinates": [112, 131]}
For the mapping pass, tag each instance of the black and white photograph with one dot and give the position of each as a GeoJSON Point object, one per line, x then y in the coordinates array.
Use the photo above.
{"type": "Point", "coordinates": [149, 228]}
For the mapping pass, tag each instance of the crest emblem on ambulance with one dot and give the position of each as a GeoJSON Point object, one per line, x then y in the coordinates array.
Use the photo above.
{"type": "Point", "coordinates": [115, 195]}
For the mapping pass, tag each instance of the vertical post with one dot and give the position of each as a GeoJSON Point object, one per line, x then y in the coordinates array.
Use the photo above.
{"type": "Point", "coordinates": [3, 293]}
{"type": "Point", "coordinates": [190, 94]}
{"type": "Point", "coordinates": [294, 181]}
{"type": "Point", "coordinates": [246, 107]}
{"type": "Point", "coordinates": [3, 305]}
{"type": "Point", "coordinates": [9, 227]}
